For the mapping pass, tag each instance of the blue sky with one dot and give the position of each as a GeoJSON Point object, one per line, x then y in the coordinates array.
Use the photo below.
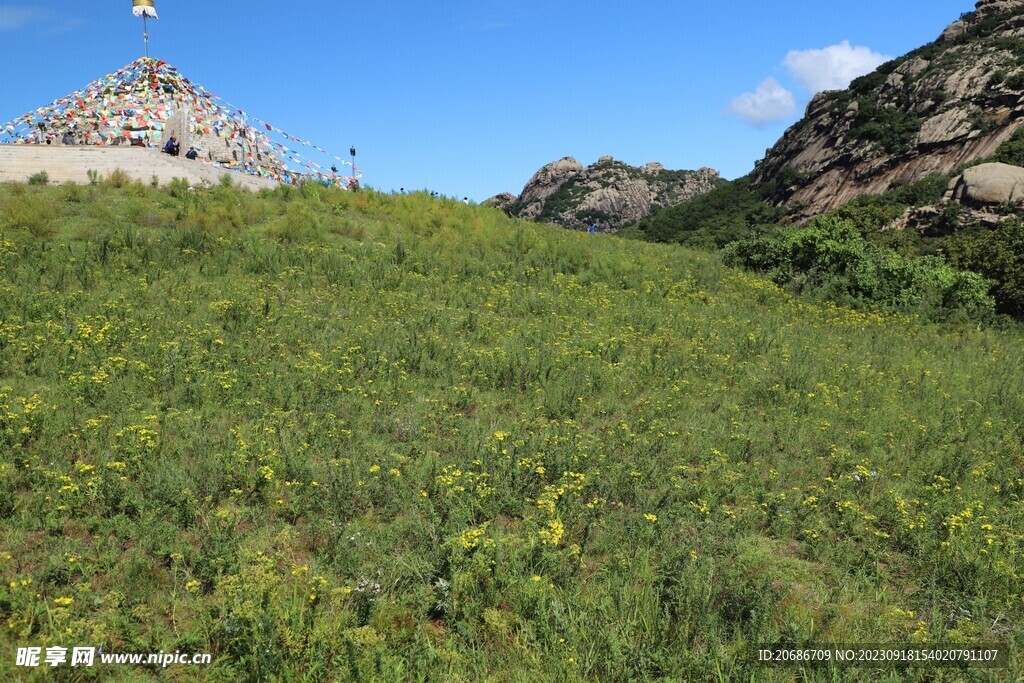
{"type": "Point", "coordinates": [470, 98]}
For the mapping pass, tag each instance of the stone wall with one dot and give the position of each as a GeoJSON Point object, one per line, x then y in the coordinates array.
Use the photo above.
{"type": "Point", "coordinates": [18, 162]}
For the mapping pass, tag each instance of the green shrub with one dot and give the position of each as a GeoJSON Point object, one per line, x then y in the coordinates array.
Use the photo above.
{"type": "Point", "coordinates": [30, 212]}
{"type": "Point", "coordinates": [715, 219]}
{"type": "Point", "coordinates": [1015, 46]}
{"type": "Point", "coordinates": [563, 199]}
{"type": "Point", "coordinates": [73, 193]}
{"type": "Point", "coordinates": [298, 222]}
{"type": "Point", "coordinates": [778, 189]}
{"type": "Point", "coordinates": [178, 188]}
{"type": "Point", "coordinates": [136, 189]}
{"type": "Point", "coordinates": [872, 213]}
{"type": "Point", "coordinates": [998, 255]}
{"type": "Point", "coordinates": [118, 178]}
{"type": "Point", "coordinates": [216, 215]}
{"type": "Point", "coordinates": [868, 83]}
{"type": "Point", "coordinates": [928, 190]}
{"type": "Point", "coordinates": [892, 130]}
{"type": "Point", "coordinates": [1015, 81]}
{"type": "Point", "coordinates": [1012, 151]}
{"type": "Point", "coordinates": [830, 257]}
{"type": "Point", "coordinates": [347, 228]}
{"type": "Point", "coordinates": [41, 178]}
{"type": "Point", "coordinates": [869, 216]}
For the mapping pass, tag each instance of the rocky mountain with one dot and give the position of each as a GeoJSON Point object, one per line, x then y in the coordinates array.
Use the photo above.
{"type": "Point", "coordinates": [608, 194]}
{"type": "Point", "coordinates": [949, 103]}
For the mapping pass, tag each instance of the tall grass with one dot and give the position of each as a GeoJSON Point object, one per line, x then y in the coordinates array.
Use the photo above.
{"type": "Point", "coordinates": [360, 437]}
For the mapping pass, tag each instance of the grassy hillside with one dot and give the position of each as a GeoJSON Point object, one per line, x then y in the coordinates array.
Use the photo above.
{"type": "Point", "coordinates": [330, 436]}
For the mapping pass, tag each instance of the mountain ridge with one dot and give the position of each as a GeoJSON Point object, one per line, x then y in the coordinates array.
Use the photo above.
{"type": "Point", "coordinates": [948, 103]}
{"type": "Point", "coordinates": [608, 194]}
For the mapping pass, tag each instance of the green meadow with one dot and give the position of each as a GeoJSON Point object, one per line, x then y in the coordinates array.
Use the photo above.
{"type": "Point", "coordinates": [329, 436]}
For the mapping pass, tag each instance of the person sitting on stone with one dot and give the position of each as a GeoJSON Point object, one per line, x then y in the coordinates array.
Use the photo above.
{"type": "Point", "coordinates": [68, 138]}
{"type": "Point", "coordinates": [172, 147]}
{"type": "Point", "coordinates": [191, 154]}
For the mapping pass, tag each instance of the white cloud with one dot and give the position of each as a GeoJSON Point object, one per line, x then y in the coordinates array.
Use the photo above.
{"type": "Point", "coordinates": [833, 67]}
{"type": "Point", "coordinates": [46, 21]}
{"type": "Point", "coordinates": [770, 103]}
{"type": "Point", "coordinates": [13, 17]}
{"type": "Point", "coordinates": [62, 25]}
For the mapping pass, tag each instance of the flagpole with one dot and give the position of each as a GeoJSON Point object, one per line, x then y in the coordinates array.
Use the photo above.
{"type": "Point", "coordinates": [144, 9]}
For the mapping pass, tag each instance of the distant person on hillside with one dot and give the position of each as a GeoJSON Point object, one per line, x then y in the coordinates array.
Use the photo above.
{"type": "Point", "coordinates": [68, 138]}
{"type": "Point", "coordinates": [465, 200]}
{"type": "Point", "coordinates": [592, 229]}
{"type": "Point", "coordinates": [191, 153]}
{"type": "Point", "coordinates": [172, 147]}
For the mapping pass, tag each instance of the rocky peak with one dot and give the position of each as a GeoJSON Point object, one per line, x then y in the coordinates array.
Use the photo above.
{"type": "Point", "coordinates": [609, 194]}
{"type": "Point", "coordinates": [943, 105]}
{"type": "Point", "coordinates": [504, 201]}
{"type": "Point", "coordinates": [953, 31]}
{"type": "Point", "coordinates": [545, 183]}
{"type": "Point", "coordinates": [985, 8]}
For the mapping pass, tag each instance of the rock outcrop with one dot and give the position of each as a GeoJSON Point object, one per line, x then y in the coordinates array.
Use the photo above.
{"type": "Point", "coordinates": [544, 184]}
{"type": "Point", "coordinates": [948, 103]}
{"type": "Point", "coordinates": [505, 201]}
{"type": "Point", "coordinates": [983, 195]}
{"type": "Point", "coordinates": [608, 194]}
{"type": "Point", "coordinates": [989, 185]}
